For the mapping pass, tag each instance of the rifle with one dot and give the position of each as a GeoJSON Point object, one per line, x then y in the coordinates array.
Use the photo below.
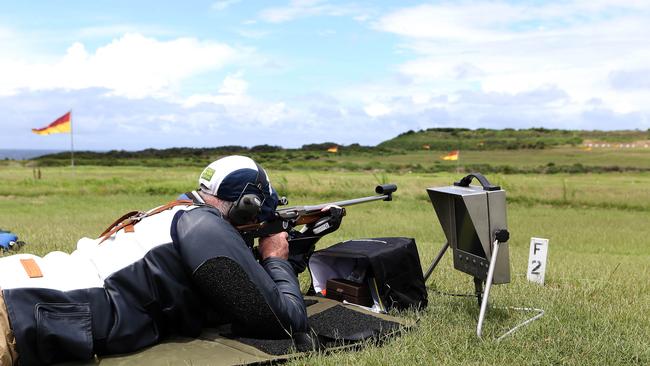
{"type": "Point", "coordinates": [286, 219]}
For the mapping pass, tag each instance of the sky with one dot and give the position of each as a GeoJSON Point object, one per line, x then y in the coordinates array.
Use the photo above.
{"type": "Point", "coordinates": [141, 74]}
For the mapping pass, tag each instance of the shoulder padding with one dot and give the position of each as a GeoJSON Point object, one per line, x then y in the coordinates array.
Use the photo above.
{"type": "Point", "coordinates": [201, 234]}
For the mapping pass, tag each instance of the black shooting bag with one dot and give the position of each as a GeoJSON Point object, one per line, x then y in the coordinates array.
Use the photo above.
{"type": "Point", "coordinates": [391, 267]}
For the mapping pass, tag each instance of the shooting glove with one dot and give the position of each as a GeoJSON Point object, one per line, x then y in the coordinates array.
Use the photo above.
{"type": "Point", "coordinates": [300, 249]}
{"type": "Point", "coordinates": [302, 244]}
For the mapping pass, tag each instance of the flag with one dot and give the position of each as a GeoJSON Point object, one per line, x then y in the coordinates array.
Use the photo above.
{"type": "Point", "coordinates": [333, 149]}
{"type": "Point", "coordinates": [63, 124]}
{"type": "Point", "coordinates": [451, 156]}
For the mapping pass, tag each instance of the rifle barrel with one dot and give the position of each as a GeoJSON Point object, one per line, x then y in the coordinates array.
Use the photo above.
{"type": "Point", "coordinates": [350, 202]}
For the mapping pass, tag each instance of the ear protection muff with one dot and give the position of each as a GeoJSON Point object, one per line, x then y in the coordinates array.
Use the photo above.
{"type": "Point", "coordinates": [245, 209]}
{"type": "Point", "coordinates": [248, 205]}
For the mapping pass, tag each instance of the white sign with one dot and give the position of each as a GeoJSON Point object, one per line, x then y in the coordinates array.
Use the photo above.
{"type": "Point", "coordinates": [537, 260]}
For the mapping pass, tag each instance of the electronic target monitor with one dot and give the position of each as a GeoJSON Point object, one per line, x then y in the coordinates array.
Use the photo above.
{"type": "Point", "coordinates": [470, 216]}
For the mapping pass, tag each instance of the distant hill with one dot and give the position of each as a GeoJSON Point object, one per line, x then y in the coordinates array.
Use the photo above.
{"type": "Point", "coordinates": [440, 139]}
{"type": "Point", "coordinates": [511, 139]}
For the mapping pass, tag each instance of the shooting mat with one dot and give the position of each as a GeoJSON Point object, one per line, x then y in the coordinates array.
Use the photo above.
{"type": "Point", "coordinates": [339, 326]}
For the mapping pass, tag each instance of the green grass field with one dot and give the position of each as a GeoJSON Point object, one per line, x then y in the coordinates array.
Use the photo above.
{"type": "Point", "coordinates": [597, 292]}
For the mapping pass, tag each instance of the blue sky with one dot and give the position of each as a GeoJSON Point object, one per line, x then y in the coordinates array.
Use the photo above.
{"type": "Point", "coordinates": [209, 73]}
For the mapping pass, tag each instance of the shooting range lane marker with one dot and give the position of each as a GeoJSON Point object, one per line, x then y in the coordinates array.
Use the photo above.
{"type": "Point", "coordinates": [537, 260]}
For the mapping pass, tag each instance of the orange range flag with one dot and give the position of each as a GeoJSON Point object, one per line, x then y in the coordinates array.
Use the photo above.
{"type": "Point", "coordinates": [451, 156]}
{"type": "Point", "coordinates": [63, 124]}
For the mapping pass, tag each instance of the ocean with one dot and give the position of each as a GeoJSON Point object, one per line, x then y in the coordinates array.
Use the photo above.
{"type": "Point", "coordinates": [24, 154]}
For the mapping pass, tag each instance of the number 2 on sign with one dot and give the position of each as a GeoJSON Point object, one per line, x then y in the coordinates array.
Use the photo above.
{"type": "Point", "coordinates": [536, 265]}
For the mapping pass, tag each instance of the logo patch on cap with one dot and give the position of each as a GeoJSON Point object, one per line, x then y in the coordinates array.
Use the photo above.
{"type": "Point", "coordinates": [207, 173]}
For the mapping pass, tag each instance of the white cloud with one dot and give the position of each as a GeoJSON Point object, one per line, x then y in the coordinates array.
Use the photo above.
{"type": "Point", "coordinates": [361, 18]}
{"type": "Point", "coordinates": [306, 8]}
{"type": "Point", "coordinates": [117, 30]}
{"type": "Point", "coordinates": [510, 48]}
{"type": "Point", "coordinates": [376, 110]}
{"type": "Point", "coordinates": [272, 114]}
{"type": "Point", "coordinates": [223, 4]}
{"type": "Point", "coordinates": [231, 92]}
{"type": "Point", "coordinates": [133, 66]}
{"type": "Point", "coordinates": [234, 85]}
{"type": "Point", "coordinates": [459, 22]}
{"type": "Point", "coordinates": [236, 105]}
{"type": "Point", "coordinates": [488, 21]}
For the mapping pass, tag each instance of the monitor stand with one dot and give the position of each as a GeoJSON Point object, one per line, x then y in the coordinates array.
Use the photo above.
{"type": "Point", "coordinates": [488, 285]}
{"type": "Point", "coordinates": [481, 296]}
{"type": "Point", "coordinates": [435, 262]}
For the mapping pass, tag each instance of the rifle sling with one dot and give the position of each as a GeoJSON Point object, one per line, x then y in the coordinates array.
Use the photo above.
{"type": "Point", "coordinates": [128, 220]}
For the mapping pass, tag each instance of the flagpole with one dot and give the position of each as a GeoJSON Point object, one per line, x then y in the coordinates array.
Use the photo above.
{"type": "Point", "coordinates": [71, 142]}
{"type": "Point", "coordinates": [458, 156]}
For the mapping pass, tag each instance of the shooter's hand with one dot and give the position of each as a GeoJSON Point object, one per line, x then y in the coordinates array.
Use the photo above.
{"type": "Point", "coordinates": [274, 245]}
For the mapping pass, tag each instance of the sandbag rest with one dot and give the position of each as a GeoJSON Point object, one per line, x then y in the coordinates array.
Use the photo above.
{"type": "Point", "coordinates": [219, 347]}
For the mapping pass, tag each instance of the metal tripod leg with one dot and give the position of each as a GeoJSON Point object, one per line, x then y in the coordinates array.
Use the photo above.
{"type": "Point", "coordinates": [488, 285]}
{"type": "Point", "coordinates": [435, 261]}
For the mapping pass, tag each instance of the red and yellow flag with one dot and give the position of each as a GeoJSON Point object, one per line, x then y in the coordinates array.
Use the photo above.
{"type": "Point", "coordinates": [63, 124]}
{"type": "Point", "coordinates": [333, 149]}
{"type": "Point", "coordinates": [451, 156]}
